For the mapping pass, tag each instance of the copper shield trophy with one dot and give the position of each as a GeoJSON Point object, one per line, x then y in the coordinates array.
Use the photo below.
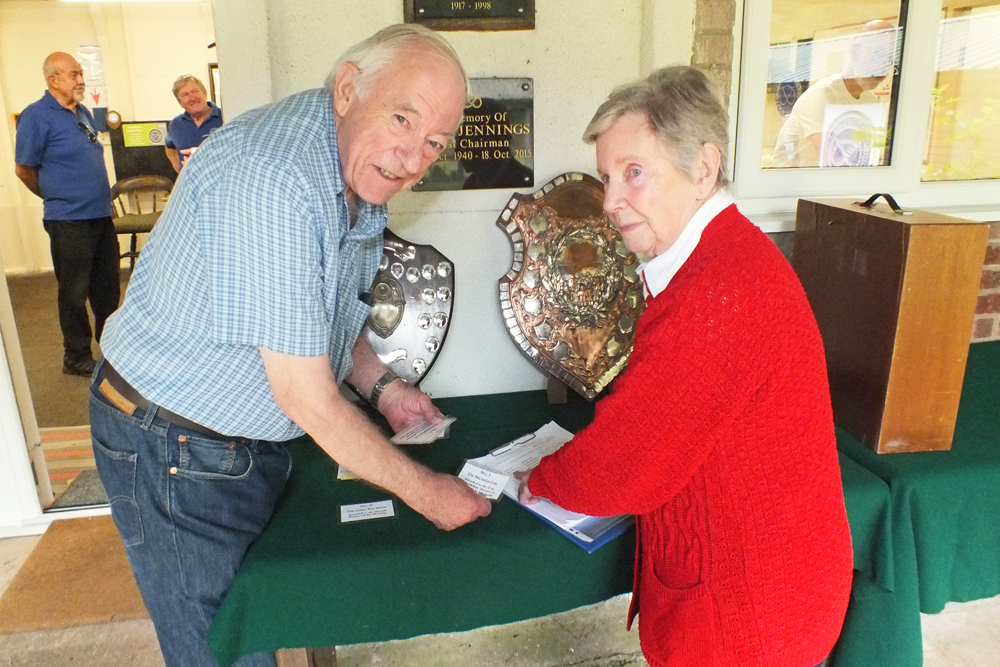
{"type": "Point", "coordinates": [572, 295]}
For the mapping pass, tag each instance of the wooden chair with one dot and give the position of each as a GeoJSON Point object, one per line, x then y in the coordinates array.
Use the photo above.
{"type": "Point", "coordinates": [136, 205]}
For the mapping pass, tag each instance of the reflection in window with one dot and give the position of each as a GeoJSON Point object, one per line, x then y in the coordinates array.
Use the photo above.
{"type": "Point", "coordinates": [831, 72]}
{"type": "Point", "coordinates": [964, 140]}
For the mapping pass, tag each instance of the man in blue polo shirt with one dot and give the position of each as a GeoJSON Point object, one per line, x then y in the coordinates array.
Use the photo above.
{"type": "Point", "coordinates": [189, 129]}
{"type": "Point", "coordinates": [59, 158]}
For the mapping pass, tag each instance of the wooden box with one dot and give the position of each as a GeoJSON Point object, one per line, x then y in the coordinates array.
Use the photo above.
{"type": "Point", "coordinates": [895, 298]}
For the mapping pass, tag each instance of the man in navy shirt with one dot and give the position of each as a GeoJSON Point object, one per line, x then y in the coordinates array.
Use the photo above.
{"type": "Point", "coordinates": [189, 129]}
{"type": "Point", "coordinates": [59, 158]}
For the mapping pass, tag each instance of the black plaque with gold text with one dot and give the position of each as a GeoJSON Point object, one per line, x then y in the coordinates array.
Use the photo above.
{"type": "Point", "coordinates": [471, 14]}
{"type": "Point", "coordinates": [494, 147]}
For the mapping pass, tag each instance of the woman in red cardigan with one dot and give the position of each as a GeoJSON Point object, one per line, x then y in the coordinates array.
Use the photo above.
{"type": "Point", "coordinates": [719, 437]}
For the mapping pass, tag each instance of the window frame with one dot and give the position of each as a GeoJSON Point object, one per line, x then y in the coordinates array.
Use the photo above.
{"type": "Point", "coordinates": [768, 196]}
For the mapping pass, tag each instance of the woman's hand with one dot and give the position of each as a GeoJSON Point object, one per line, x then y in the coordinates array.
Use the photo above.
{"type": "Point", "coordinates": [523, 495]}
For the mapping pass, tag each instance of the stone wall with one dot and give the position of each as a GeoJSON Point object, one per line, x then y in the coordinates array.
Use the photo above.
{"type": "Point", "coordinates": [987, 324]}
{"type": "Point", "coordinates": [713, 42]}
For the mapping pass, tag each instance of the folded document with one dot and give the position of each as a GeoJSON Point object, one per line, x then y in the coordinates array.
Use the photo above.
{"type": "Point", "coordinates": [524, 453]}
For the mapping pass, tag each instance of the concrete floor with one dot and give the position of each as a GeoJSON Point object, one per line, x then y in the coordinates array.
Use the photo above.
{"type": "Point", "coordinates": [964, 635]}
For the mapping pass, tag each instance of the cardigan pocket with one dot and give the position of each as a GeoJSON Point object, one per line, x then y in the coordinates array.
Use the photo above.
{"type": "Point", "coordinates": [678, 626]}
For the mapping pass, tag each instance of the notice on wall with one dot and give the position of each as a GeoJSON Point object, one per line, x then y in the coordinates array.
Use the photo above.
{"type": "Point", "coordinates": [144, 134]}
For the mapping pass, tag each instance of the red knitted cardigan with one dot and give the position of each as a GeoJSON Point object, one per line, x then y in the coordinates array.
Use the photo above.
{"type": "Point", "coordinates": [719, 437]}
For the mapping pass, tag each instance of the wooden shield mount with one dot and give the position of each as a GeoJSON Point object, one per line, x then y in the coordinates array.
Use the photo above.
{"type": "Point", "coordinates": [572, 295]}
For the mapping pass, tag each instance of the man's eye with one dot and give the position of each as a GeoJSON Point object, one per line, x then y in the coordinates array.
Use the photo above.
{"type": "Point", "coordinates": [634, 172]}
{"type": "Point", "coordinates": [435, 145]}
{"type": "Point", "coordinates": [401, 119]}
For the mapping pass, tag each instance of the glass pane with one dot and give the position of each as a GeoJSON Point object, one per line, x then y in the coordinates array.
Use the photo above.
{"type": "Point", "coordinates": [832, 77]}
{"type": "Point", "coordinates": [964, 138]}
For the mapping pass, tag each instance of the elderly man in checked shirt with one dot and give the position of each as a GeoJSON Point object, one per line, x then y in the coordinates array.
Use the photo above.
{"type": "Point", "coordinates": [243, 318]}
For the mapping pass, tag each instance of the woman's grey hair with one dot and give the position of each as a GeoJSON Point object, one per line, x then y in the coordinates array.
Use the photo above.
{"type": "Point", "coordinates": [683, 108]}
{"type": "Point", "coordinates": [375, 54]}
{"type": "Point", "coordinates": [182, 81]}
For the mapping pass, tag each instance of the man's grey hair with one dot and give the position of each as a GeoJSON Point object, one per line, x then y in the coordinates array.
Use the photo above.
{"type": "Point", "coordinates": [683, 108]}
{"type": "Point", "coordinates": [183, 80]}
{"type": "Point", "coordinates": [375, 54]}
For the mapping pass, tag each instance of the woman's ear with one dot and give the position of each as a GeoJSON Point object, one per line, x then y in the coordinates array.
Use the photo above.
{"type": "Point", "coordinates": [707, 169]}
{"type": "Point", "coordinates": [345, 89]}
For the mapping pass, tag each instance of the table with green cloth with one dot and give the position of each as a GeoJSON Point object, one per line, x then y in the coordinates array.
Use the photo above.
{"type": "Point", "coordinates": [945, 530]}
{"type": "Point", "coordinates": [311, 581]}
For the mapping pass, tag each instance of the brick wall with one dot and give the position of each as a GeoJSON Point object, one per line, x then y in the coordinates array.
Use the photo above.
{"type": "Point", "coordinates": [713, 42]}
{"type": "Point", "coordinates": [987, 324]}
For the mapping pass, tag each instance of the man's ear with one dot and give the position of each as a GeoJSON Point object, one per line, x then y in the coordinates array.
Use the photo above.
{"type": "Point", "coordinates": [344, 89]}
{"type": "Point", "coordinates": [707, 169]}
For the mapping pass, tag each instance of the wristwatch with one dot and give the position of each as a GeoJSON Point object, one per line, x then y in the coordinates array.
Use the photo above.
{"type": "Point", "coordinates": [380, 386]}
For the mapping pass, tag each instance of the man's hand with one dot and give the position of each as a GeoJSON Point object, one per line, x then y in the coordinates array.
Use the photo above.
{"type": "Point", "coordinates": [404, 406]}
{"type": "Point", "coordinates": [450, 503]}
{"type": "Point", "coordinates": [305, 389]}
{"type": "Point", "coordinates": [28, 176]}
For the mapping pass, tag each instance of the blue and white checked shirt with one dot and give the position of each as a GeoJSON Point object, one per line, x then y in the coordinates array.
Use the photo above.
{"type": "Point", "coordinates": [255, 249]}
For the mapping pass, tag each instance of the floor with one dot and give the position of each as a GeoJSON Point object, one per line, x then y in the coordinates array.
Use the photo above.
{"type": "Point", "coordinates": [964, 635]}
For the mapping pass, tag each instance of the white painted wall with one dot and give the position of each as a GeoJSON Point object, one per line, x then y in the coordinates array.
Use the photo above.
{"type": "Point", "coordinates": [578, 52]}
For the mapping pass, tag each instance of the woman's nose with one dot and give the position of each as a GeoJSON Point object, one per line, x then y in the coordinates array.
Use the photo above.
{"type": "Point", "coordinates": [612, 198]}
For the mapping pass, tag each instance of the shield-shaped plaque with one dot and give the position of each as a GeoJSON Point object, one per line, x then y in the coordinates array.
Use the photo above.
{"type": "Point", "coordinates": [411, 299]}
{"type": "Point", "coordinates": [572, 296]}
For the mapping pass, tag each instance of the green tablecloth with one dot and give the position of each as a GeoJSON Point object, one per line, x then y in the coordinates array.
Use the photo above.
{"type": "Point", "coordinates": [924, 529]}
{"type": "Point", "coordinates": [310, 581]}
{"type": "Point", "coordinates": [945, 543]}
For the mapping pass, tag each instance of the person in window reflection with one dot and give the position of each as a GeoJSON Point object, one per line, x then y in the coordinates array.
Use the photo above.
{"type": "Point", "coordinates": [59, 158]}
{"type": "Point", "coordinates": [868, 62]}
{"type": "Point", "coordinates": [188, 130]}
{"type": "Point", "coordinates": [719, 436]}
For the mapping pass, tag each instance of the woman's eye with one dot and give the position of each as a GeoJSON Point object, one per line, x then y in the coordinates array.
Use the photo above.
{"type": "Point", "coordinates": [605, 179]}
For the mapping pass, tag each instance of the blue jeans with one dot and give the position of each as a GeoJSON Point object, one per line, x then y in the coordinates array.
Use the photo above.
{"type": "Point", "coordinates": [187, 508]}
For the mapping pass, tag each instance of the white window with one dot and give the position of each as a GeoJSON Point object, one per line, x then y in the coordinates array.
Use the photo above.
{"type": "Point", "coordinates": [849, 98]}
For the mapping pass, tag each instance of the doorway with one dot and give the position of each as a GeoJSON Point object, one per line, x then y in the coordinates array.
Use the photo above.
{"type": "Point", "coordinates": [142, 48]}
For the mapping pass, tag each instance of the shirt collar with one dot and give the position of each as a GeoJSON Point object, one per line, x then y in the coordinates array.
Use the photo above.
{"type": "Point", "coordinates": [659, 271]}
{"type": "Point", "coordinates": [215, 111]}
{"type": "Point", "coordinates": [50, 100]}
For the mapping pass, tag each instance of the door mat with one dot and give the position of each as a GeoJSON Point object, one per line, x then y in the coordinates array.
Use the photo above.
{"type": "Point", "coordinates": [78, 574]}
{"type": "Point", "coordinates": [85, 491]}
{"type": "Point", "coordinates": [68, 452]}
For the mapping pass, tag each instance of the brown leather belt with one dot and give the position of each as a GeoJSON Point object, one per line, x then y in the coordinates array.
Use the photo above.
{"type": "Point", "coordinates": [128, 400]}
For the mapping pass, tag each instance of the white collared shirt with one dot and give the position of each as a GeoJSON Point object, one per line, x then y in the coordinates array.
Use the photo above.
{"type": "Point", "coordinates": [659, 271]}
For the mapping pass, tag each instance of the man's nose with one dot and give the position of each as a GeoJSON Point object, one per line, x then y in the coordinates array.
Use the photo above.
{"type": "Point", "coordinates": [411, 155]}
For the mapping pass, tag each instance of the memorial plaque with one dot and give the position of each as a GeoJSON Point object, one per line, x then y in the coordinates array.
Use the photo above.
{"type": "Point", "coordinates": [411, 299]}
{"type": "Point", "coordinates": [572, 295]}
{"type": "Point", "coordinates": [471, 14]}
{"type": "Point", "coordinates": [494, 147]}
